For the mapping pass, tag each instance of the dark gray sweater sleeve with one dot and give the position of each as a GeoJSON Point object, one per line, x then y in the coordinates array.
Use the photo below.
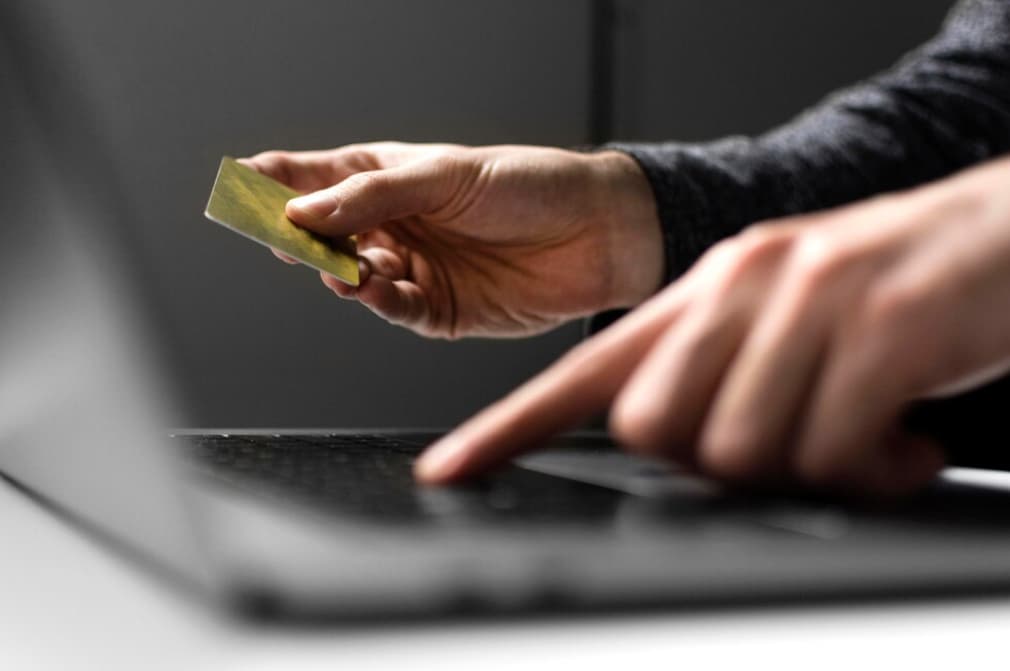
{"type": "Point", "coordinates": [943, 107]}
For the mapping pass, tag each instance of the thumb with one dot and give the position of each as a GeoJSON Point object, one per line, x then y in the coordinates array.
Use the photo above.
{"type": "Point", "coordinates": [366, 199]}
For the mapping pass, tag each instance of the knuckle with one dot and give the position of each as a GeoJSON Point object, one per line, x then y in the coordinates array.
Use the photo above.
{"type": "Point", "coordinates": [893, 303]}
{"type": "Point", "coordinates": [385, 145]}
{"type": "Point", "coordinates": [349, 150]}
{"type": "Point", "coordinates": [364, 184]}
{"type": "Point", "coordinates": [760, 240]}
{"type": "Point", "coordinates": [721, 249]}
{"type": "Point", "coordinates": [443, 162]}
{"type": "Point", "coordinates": [764, 234]}
{"type": "Point", "coordinates": [713, 260]}
{"type": "Point", "coordinates": [272, 156]}
{"type": "Point", "coordinates": [735, 257]}
{"type": "Point", "coordinates": [444, 149]}
{"type": "Point", "coordinates": [818, 260]}
{"type": "Point", "coordinates": [359, 157]}
{"type": "Point", "coordinates": [894, 327]}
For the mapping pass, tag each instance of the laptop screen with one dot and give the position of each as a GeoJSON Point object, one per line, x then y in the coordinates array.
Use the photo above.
{"type": "Point", "coordinates": [82, 398]}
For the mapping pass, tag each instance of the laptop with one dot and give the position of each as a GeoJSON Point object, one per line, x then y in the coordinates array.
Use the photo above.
{"type": "Point", "coordinates": [329, 523]}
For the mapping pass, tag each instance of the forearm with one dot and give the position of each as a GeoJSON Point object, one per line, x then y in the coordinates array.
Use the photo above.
{"type": "Point", "coordinates": [944, 107]}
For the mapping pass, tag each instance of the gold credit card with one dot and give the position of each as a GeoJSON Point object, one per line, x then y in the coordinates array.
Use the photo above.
{"type": "Point", "coordinates": [252, 204]}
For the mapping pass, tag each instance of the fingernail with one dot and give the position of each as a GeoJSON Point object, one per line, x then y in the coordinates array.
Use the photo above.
{"type": "Point", "coordinates": [314, 205]}
{"type": "Point", "coordinates": [364, 270]}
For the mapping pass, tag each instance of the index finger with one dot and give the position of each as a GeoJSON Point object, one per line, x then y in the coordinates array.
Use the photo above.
{"type": "Point", "coordinates": [581, 384]}
{"type": "Point", "coordinates": [302, 171]}
{"type": "Point", "coordinates": [307, 171]}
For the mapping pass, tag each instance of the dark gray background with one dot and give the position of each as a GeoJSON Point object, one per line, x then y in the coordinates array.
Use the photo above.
{"type": "Point", "coordinates": [178, 84]}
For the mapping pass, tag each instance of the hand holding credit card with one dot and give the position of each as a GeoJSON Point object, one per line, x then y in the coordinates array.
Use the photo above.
{"type": "Point", "coordinates": [455, 241]}
{"type": "Point", "coordinates": [252, 205]}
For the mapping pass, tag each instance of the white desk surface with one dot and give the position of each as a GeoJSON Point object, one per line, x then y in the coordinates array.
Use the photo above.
{"type": "Point", "coordinates": [67, 603]}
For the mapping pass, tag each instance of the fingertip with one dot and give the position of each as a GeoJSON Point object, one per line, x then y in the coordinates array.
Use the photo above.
{"type": "Point", "coordinates": [297, 213]}
{"type": "Point", "coordinates": [341, 289]}
{"type": "Point", "coordinates": [329, 280]}
{"type": "Point", "coordinates": [311, 207]}
{"type": "Point", "coordinates": [364, 270]}
{"type": "Point", "coordinates": [290, 260]}
{"type": "Point", "coordinates": [384, 298]}
{"type": "Point", "coordinates": [440, 463]}
{"type": "Point", "coordinates": [253, 163]}
{"type": "Point", "coordinates": [428, 473]}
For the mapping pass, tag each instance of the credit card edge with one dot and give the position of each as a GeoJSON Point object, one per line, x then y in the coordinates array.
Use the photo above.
{"type": "Point", "coordinates": [300, 260]}
{"type": "Point", "coordinates": [208, 215]}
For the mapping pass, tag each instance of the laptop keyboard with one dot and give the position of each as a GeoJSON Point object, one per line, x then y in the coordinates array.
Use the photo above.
{"type": "Point", "coordinates": [370, 475]}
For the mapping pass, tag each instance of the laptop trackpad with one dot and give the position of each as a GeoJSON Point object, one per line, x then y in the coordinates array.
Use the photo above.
{"type": "Point", "coordinates": [620, 471]}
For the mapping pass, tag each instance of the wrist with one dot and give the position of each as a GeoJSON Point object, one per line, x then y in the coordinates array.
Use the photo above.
{"type": "Point", "coordinates": [633, 233]}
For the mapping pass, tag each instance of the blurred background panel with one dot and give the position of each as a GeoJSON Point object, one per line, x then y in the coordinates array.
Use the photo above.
{"type": "Point", "coordinates": [701, 69]}
{"type": "Point", "coordinates": [178, 84]}
{"type": "Point", "coordinates": [181, 83]}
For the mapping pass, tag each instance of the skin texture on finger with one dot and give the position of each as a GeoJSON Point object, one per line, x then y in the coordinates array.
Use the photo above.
{"type": "Point", "coordinates": [748, 432]}
{"type": "Point", "coordinates": [290, 260]}
{"type": "Point", "coordinates": [366, 200]}
{"type": "Point", "coordinates": [381, 238]}
{"type": "Point", "coordinates": [305, 171]}
{"type": "Point", "coordinates": [856, 402]}
{"type": "Point", "coordinates": [581, 384]}
{"type": "Point", "coordinates": [341, 289]}
{"type": "Point", "coordinates": [385, 262]}
{"type": "Point", "coordinates": [399, 302]}
{"type": "Point", "coordinates": [663, 406]}
{"type": "Point", "coordinates": [382, 289]}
